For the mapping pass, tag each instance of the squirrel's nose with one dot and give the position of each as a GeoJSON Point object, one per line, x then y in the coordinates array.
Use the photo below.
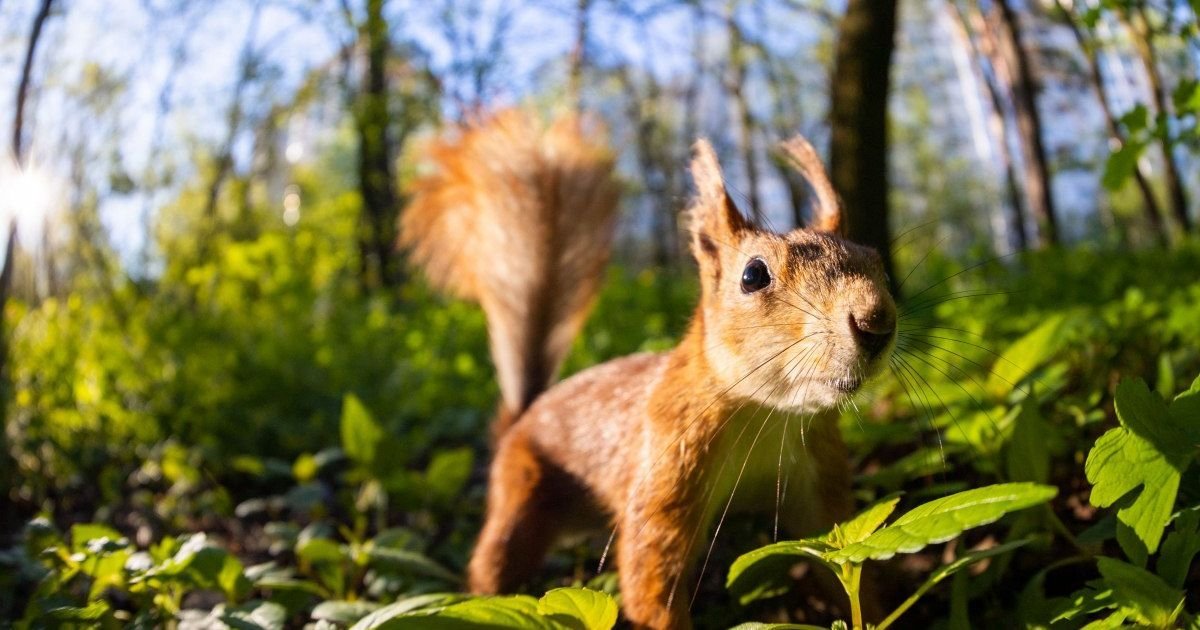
{"type": "Point", "coordinates": [873, 331]}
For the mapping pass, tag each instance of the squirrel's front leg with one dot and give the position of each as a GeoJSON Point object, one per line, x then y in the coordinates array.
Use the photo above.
{"type": "Point", "coordinates": [654, 558]}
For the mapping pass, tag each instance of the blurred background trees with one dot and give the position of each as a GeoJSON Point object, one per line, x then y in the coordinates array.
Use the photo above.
{"type": "Point", "coordinates": [204, 198]}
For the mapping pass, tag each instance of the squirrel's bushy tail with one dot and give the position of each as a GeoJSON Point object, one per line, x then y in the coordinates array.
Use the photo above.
{"type": "Point", "coordinates": [518, 215]}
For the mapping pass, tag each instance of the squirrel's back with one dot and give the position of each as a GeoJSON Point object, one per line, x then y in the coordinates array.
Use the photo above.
{"type": "Point", "coordinates": [518, 215]}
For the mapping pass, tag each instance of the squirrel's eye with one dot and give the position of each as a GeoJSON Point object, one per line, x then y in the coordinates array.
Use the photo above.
{"type": "Point", "coordinates": [755, 276]}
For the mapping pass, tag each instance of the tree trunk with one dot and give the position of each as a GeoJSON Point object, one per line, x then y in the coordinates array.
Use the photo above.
{"type": "Point", "coordinates": [35, 34]}
{"type": "Point", "coordinates": [375, 173]}
{"type": "Point", "coordinates": [1143, 36]}
{"type": "Point", "coordinates": [18, 154]}
{"type": "Point", "coordinates": [736, 84]}
{"type": "Point", "coordinates": [1149, 203]}
{"type": "Point", "coordinates": [858, 149]}
{"type": "Point", "coordinates": [1010, 46]}
{"type": "Point", "coordinates": [579, 55]}
{"type": "Point", "coordinates": [247, 67]}
{"type": "Point", "coordinates": [982, 45]}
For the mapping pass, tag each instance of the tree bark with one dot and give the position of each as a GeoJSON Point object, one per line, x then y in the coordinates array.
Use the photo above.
{"type": "Point", "coordinates": [372, 119]}
{"type": "Point", "coordinates": [1011, 47]}
{"type": "Point", "coordinates": [35, 35]}
{"type": "Point", "coordinates": [579, 55]}
{"type": "Point", "coordinates": [982, 45]}
{"type": "Point", "coordinates": [18, 154]}
{"type": "Point", "coordinates": [858, 149]}
{"type": "Point", "coordinates": [1143, 36]}
{"type": "Point", "coordinates": [1150, 205]}
{"type": "Point", "coordinates": [736, 84]}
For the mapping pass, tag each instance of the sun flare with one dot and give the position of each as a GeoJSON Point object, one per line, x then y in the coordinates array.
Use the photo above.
{"type": "Point", "coordinates": [31, 195]}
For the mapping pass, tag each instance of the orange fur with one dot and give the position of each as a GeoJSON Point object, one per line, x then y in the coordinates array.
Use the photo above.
{"type": "Point", "coordinates": [656, 444]}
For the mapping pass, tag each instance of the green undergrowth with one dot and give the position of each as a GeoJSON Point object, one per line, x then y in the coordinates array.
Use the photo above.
{"type": "Point", "coordinates": [254, 445]}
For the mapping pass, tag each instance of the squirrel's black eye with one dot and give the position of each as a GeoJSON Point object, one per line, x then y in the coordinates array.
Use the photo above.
{"type": "Point", "coordinates": [755, 276]}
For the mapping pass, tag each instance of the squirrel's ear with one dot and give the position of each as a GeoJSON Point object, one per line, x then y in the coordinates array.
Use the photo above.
{"type": "Point", "coordinates": [714, 216]}
{"type": "Point", "coordinates": [803, 157]}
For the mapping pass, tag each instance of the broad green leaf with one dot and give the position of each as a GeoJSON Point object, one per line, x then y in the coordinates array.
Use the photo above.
{"type": "Point", "coordinates": [1141, 593]}
{"type": "Point", "coordinates": [1027, 354]}
{"type": "Point", "coordinates": [407, 605]}
{"type": "Point", "coordinates": [83, 533]}
{"type": "Point", "coordinates": [762, 573]}
{"type": "Point", "coordinates": [1179, 548]}
{"type": "Point", "coordinates": [1148, 451]}
{"type": "Point", "coordinates": [514, 612]}
{"type": "Point", "coordinates": [106, 569]}
{"type": "Point", "coordinates": [93, 612]}
{"type": "Point", "coordinates": [389, 560]}
{"type": "Point", "coordinates": [319, 550]}
{"type": "Point", "coordinates": [1185, 412]}
{"type": "Point", "coordinates": [943, 519]}
{"type": "Point", "coordinates": [343, 613]}
{"type": "Point", "coordinates": [448, 472]}
{"type": "Point", "coordinates": [1028, 451]}
{"type": "Point", "coordinates": [255, 615]}
{"type": "Point", "coordinates": [858, 528]}
{"type": "Point", "coordinates": [579, 608]}
{"type": "Point", "coordinates": [361, 435]}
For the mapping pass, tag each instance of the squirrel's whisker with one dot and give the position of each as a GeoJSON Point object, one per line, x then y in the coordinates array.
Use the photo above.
{"type": "Point", "coordinates": [687, 427]}
{"type": "Point", "coordinates": [916, 402]}
{"type": "Point", "coordinates": [916, 374]}
{"type": "Point", "coordinates": [919, 263]}
{"type": "Point", "coordinates": [916, 354]}
{"type": "Point", "coordinates": [737, 441]}
{"type": "Point", "coordinates": [737, 482]}
{"type": "Point", "coordinates": [962, 271]}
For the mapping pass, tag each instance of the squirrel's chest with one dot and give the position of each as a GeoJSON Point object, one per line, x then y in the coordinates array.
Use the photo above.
{"type": "Point", "coordinates": [763, 458]}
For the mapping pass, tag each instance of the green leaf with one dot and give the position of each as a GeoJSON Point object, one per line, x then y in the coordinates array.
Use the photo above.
{"type": "Point", "coordinates": [407, 605]}
{"type": "Point", "coordinates": [579, 608]}
{"type": "Point", "coordinates": [1179, 548]}
{"type": "Point", "coordinates": [93, 612]}
{"type": "Point", "coordinates": [858, 528]}
{"type": "Point", "coordinates": [1136, 119]}
{"type": "Point", "coordinates": [1147, 451]}
{"type": "Point", "coordinates": [1083, 602]}
{"type": "Point", "coordinates": [1141, 593]}
{"type": "Point", "coordinates": [255, 615]}
{"type": "Point", "coordinates": [342, 612]}
{"type": "Point", "coordinates": [1028, 451]}
{"type": "Point", "coordinates": [943, 519]}
{"type": "Point", "coordinates": [389, 560]}
{"type": "Point", "coordinates": [83, 533]}
{"type": "Point", "coordinates": [320, 550]}
{"type": "Point", "coordinates": [361, 435]}
{"type": "Point", "coordinates": [1187, 96]}
{"type": "Point", "coordinates": [515, 612]}
{"type": "Point", "coordinates": [948, 570]}
{"type": "Point", "coordinates": [762, 573]}
{"type": "Point", "coordinates": [1185, 412]}
{"type": "Point", "coordinates": [1121, 164]}
{"type": "Point", "coordinates": [1028, 353]}
{"type": "Point", "coordinates": [448, 472]}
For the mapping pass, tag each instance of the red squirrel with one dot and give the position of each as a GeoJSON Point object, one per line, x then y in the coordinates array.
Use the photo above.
{"type": "Point", "coordinates": [519, 215]}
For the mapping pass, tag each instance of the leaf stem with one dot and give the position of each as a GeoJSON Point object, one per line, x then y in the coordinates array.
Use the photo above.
{"type": "Point", "coordinates": [851, 577]}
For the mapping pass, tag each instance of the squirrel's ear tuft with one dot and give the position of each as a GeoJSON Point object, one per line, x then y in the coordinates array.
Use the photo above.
{"type": "Point", "coordinates": [715, 218]}
{"type": "Point", "coordinates": [827, 213]}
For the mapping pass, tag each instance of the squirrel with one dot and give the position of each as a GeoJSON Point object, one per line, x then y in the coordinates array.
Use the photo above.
{"type": "Point", "coordinates": [519, 215]}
